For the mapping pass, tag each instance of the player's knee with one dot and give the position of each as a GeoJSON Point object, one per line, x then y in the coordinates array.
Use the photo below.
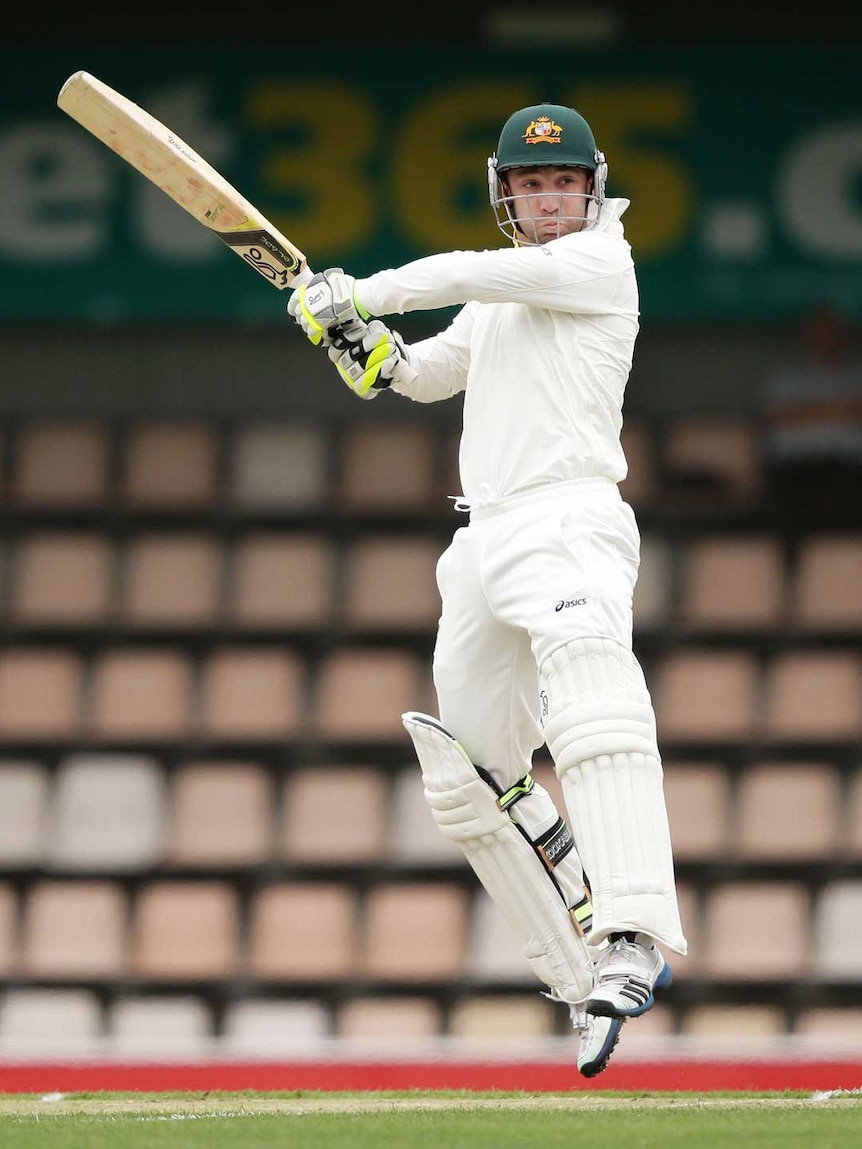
{"type": "Point", "coordinates": [598, 703]}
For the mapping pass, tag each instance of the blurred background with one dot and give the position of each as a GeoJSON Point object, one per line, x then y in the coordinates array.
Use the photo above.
{"type": "Point", "coordinates": [217, 566]}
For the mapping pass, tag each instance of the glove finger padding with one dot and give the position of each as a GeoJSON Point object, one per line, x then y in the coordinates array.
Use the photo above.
{"type": "Point", "coordinates": [348, 335]}
{"type": "Point", "coordinates": [324, 303]}
{"type": "Point", "coordinates": [367, 363]}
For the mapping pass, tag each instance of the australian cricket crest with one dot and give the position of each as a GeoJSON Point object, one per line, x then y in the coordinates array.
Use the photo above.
{"type": "Point", "coordinates": [543, 130]}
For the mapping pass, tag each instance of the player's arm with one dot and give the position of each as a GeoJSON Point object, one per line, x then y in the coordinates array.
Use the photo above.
{"type": "Point", "coordinates": [578, 273]}
{"type": "Point", "coordinates": [370, 357]}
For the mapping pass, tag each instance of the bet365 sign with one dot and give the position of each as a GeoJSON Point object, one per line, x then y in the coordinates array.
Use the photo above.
{"type": "Point", "coordinates": [743, 168]}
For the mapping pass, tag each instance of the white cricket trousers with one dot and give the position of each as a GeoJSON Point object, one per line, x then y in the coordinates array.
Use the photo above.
{"type": "Point", "coordinates": [523, 578]}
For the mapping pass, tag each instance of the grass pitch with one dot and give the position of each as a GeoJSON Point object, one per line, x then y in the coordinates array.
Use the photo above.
{"type": "Point", "coordinates": [462, 1120]}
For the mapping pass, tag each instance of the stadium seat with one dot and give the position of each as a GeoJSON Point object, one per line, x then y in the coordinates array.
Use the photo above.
{"type": "Point", "coordinates": [220, 815]}
{"type": "Point", "coordinates": [334, 815]}
{"type": "Point", "coordinates": [62, 578]}
{"type": "Point", "coordinates": [9, 940]}
{"type": "Point", "coordinates": [688, 898]}
{"type": "Point", "coordinates": [493, 952]}
{"type": "Point", "coordinates": [653, 592]}
{"type": "Point", "coordinates": [827, 585]}
{"type": "Point", "coordinates": [813, 695]}
{"type": "Point", "coordinates": [851, 835]}
{"type": "Point", "coordinates": [697, 796]}
{"type": "Point", "coordinates": [171, 579]}
{"type": "Point", "coordinates": [168, 1025]}
{"type": "Point", "coordinates": [370, 1020]}
{"type": "Point", "coordinates": [303, 932]}
{"type": "Point", "coordinates": [387, 466]}
{"type": "Point", "coordinates": [61, 463]}
{"type": "Point", "coordinates": [413, 834]}
{"type": "Point", "coordinates": [724, 1025]}
{"type": "Point", "coordinates": [712, 462]}
{"type": "Point", "coordinates": [510, 1019]}
{"type": "Point", "coordinates": [756, 931]}
{"type": "Point", "coordinates": [389, 582]}
{"type": "Point", "coordinates": [255, 1026]}
{"type": "Point", "coordinates": [787, 811]}
{"type": "Point", "coordinates": [24, 791]}
{"type": "Point", "coordinates": [281, 580]}
{"type": "Point", "coordinates": [252, 693]}
{"type": "Point", "coordinates": [414, 931]}
{"type": "Point", "coordinates": [140, 693]}
{"type": "Point", "coordinates": [49, 1020]}
{"type": "Point", "coordinates": [40, 692]}
{"type": "Point", "coordinates": [706, 694]}
{"type": "Point", "coordinates": [170, 464]}
{"type": "Point", "coordinates": [732, 582]}
{"type": "Point", "coordinates": [832, 1027]}
{"type": "Point", "coordinates": [74, 930]}
{"type": "Point", "coordinates": [278, 467]}
{"type": "Point", "coordinates": [362, 693]}
{"type": "Point", "coordinates": [185, 931]}
{"type": "Point", "coordinates": [106, 813]}
{"type": "Point", "coordinates": [640, 485]}
{"type": "Point", "coordinates": [640, 1037]}
{"type": "Point", "coordinates": [837, 931]}
{"type": "Point", "coordinates": [450, 481]}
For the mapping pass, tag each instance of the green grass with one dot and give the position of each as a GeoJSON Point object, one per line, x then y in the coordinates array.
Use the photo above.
{"type": "Point", "coordinates": [430, 1121]}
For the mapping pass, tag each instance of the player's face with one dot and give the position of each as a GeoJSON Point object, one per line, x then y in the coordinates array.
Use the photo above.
{"type": "Point", "coordinates": [548, 201]}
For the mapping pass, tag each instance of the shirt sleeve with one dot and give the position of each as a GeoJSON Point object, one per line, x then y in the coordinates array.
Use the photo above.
{"type": "Point", "coordinates": [441, 361]}
{"type": "Point", "coordinates": [577, 273]}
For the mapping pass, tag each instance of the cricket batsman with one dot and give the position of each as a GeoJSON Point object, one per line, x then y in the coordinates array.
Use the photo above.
{"type": "Point", "coordinates": [534, 644]}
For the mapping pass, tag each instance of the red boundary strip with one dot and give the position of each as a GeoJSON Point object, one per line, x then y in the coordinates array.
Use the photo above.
{"type": "Point", "coordinates": [695, 1076]}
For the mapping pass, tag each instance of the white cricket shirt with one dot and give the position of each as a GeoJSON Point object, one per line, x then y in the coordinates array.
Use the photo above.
{"type": "Point", "coordinates": [542, 350]}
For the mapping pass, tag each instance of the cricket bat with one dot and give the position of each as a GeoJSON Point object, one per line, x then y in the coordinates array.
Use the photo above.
{"type": "Point", "coordinates": [175, 167]}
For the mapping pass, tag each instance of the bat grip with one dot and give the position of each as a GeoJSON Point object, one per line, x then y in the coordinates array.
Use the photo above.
{"type": "Point", "coordinates": [304, 276]}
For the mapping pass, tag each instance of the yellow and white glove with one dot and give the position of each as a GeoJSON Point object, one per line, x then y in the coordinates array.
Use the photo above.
{"type": "Point", "coordinates": [369, 357]}
{"type": "Point", "coordinates": [325, 302]}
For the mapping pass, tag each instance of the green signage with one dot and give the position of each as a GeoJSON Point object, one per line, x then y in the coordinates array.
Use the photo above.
{"type": "Point", "coordinates": [743, 167]}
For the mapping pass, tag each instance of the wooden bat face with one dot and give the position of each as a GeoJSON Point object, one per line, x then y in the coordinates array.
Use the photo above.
{"type": "Point", "coordinates": [175, 167]}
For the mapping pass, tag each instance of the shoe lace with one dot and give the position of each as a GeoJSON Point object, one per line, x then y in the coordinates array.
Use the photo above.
{"type": "Point", "coordinates": [623, 949]}
{"type": "Point", "coordinates": [622, 952]}
{"type": "Point", "coordinates": [581, 1020]}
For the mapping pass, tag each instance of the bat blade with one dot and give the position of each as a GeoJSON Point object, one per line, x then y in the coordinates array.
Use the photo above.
{"type": "Point", "coordinates": [174, 166]}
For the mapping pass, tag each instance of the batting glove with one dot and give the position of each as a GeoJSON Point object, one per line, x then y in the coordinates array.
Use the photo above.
{"type": "Point", "coordinates": [325, 302]}
{"type": "Point", "coordinates": [369, 357]}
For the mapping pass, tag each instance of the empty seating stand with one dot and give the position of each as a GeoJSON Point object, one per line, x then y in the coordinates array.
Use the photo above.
{"type": "Point", "coordinates": [212, 823]}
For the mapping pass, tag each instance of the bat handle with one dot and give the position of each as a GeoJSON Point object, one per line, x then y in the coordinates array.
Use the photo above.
{"type": "Point", "coordinates": [303, 277]}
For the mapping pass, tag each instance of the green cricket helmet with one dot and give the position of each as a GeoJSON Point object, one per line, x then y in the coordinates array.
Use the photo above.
{"type": "Point", "coordinates": [545, 135]}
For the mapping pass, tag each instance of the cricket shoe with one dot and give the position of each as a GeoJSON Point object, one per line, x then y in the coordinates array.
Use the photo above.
{"type": "Point", "coordinates": [597, 1038]}
{"type": "Point", "coordinates": [627, 973]}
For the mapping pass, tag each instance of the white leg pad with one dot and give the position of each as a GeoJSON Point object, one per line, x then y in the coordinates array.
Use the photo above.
{"type": "Point", "coordinates": [601, 734]}
{"type": "Point", "coordinates": [466, 811]}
